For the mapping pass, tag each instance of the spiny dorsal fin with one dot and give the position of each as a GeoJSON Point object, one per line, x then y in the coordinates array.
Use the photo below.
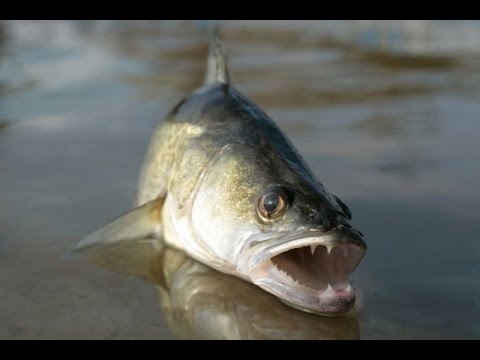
{"type": "Point", "coordinates": [217, 70]}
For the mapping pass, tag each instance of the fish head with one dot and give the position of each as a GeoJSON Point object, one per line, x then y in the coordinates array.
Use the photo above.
{"type": "Point", "coordinates": [262, 215]}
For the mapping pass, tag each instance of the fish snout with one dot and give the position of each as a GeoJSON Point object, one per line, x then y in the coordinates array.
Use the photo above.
{"type": "Point", "coordinates": [328, 219]}
{"type": "Point", "coordinates": [342, 232]}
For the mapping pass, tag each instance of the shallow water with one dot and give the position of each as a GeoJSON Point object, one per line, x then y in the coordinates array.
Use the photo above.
{"type": "Point", "coordinates": [387, 115]}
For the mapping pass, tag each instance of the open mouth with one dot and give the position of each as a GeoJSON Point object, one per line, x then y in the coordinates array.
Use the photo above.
{"type": "Point", "coordinates": [312, 277]}
{"type": "Point", "coordinates": [314, 267]}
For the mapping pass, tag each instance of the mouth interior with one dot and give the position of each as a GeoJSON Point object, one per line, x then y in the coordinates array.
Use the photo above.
{"type": "Point", "coordinates": [316, 267]}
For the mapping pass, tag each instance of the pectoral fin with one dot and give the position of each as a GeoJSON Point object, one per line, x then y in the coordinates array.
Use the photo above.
{"type": "Point", "coordinates": [143, 222]}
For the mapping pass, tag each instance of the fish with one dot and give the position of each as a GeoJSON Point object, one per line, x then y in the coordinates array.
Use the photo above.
{"type": "Point", "coordinates": [223, 183]}
{"type": "Point", "coordinates": [199, 302]}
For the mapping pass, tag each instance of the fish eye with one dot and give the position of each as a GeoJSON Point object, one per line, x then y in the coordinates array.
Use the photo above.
{"type": "Point", "coordinates": [273, 203]}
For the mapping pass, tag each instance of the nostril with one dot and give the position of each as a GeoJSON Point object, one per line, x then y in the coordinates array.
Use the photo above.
{"type": "Point", "coordinates": [319, 220]}
{"type": "Point", "coordinates": [312, 214]}
{"type": "Point", "coordinates": [342, 220]}
{"type": "Point", "coordinates": [327, 219]}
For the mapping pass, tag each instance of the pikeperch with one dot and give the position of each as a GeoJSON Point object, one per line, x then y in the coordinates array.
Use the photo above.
{"type": "Point", "coordinates": [223, 183]}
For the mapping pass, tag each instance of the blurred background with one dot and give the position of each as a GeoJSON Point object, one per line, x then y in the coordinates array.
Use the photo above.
{"type": "Point", "coordinates": [387, 114]}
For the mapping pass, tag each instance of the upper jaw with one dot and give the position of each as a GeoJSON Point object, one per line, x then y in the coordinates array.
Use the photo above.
{"type": "Point", "coordinates": [277, 245]}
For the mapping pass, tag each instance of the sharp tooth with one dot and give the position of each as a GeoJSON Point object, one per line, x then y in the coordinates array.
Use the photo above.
{"type": "Point", "coordinates": [312, 248]}
{"type": "Point", "coordinates": [329, 249]}
{"type": "Point", "coordinates": [329, 289]}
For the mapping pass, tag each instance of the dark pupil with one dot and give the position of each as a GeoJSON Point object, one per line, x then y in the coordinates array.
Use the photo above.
{"type": "Point", "coordinates": [270, 203]}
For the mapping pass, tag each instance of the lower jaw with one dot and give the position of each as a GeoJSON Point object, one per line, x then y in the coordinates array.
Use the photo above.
{"type": "Point", "coordinates": [342, 307]}
{"type": "Point", "coordinates": [322, 302]}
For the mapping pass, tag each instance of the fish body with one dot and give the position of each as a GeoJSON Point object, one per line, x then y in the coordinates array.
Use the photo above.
{"type": "Point", "coordinates": [223, 183]}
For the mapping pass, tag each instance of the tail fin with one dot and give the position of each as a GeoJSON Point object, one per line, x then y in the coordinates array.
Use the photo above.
{"type": "Point", "coordinates": [217, 63]}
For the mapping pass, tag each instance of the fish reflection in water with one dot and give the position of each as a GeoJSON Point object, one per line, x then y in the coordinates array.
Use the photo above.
{"type": "Point", "coordinates": [201, 303]}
